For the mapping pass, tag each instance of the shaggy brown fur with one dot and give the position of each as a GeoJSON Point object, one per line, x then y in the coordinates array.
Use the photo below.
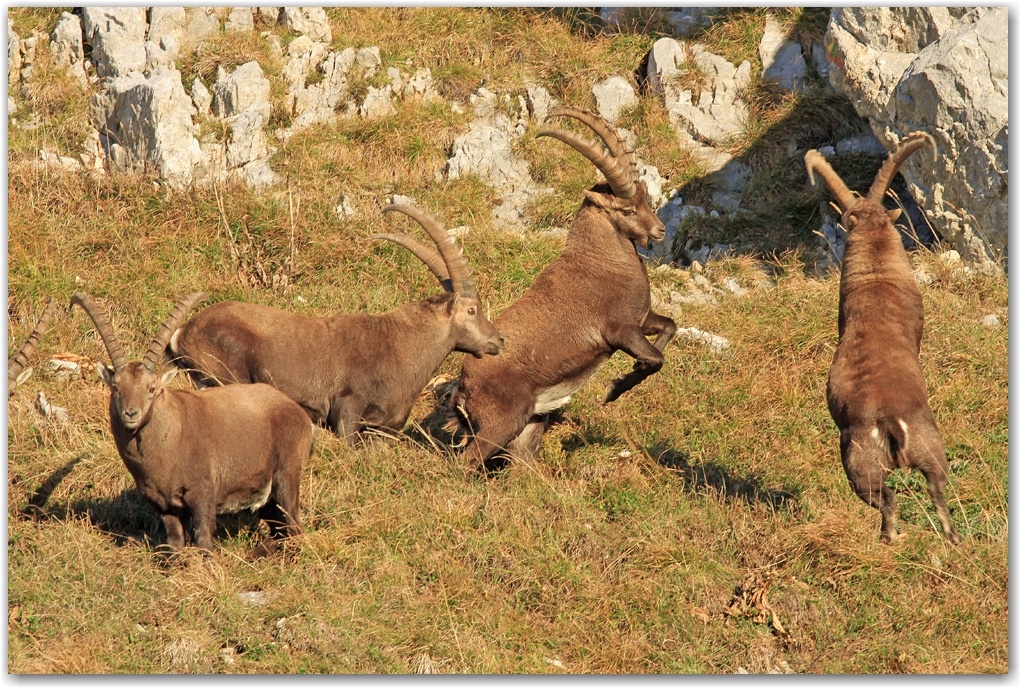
{"type": "Point", "coordinates": [876, 391]}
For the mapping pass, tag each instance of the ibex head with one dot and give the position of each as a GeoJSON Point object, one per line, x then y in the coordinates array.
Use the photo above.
{"type": "Point", "coordinates": [473, 332]}
{"type": "Point", "coordinates": [17, 373]}
{"type": "Point", "coordinates": [853, 206]}
{"type": "Point", "coordinates": [134, 386]}
{"type": "Point", "coordinates": [625, 201]}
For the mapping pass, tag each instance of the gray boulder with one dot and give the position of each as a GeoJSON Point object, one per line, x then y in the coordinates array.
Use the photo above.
{"type": "Point", "coordinates": [117, 37]}
{"type": "Point", "coordinates": [244, 88]}
{"type": "Point", "coordinates": [310, 21]}
{"type": "Point", "coordinates": [782, 60]}
{"type": "Point", "coordinates": [203, 24]}
{"type": "Point", "coordinates": [13, 54]}
{"type": "Point", "coordinates": [145, 126]}
{"type": "Point", "coordinates": [168, 21]}
{"type": "Point", "coordinates": [240, 19]}
{"type": "Point", "coordinates": [955, 87]}
{"type": "Point", "coordinates": [66, 41]}
{"type": "Point", "coordinates": [613, 96]}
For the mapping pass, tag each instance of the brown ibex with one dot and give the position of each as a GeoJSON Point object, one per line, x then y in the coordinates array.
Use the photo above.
{"type": "Point", "coordinates": [876, 391]}
{"type": "Point", "coordinates": [205, 452]}
{"type": "Point", "coordinates": [590, 302]}
{"type": "Point", "coordinates": [17, 373]}
{"type": "Point", "coordinates": [348, 371]}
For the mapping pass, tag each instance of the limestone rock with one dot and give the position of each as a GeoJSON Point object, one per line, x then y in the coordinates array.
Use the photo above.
{"type": "Point", "coordinates": [716, 115]}
{"type": "Point", "coordinates": [955, 87]}
{"type": "Point", "coordinates": [421, 87]}
{"type": "Point", "coordinates": [369, 59]}
{"type": "Point", "coordinates": [240, 90]}
{"type": "Point", "coordinates": [162, 55]}
{"type": "Point", "coordinates": [240, 19]}
{"type": "Point", "coordinates": [663, 62]}
{"type": "Point", "coordinates": [311, 21]}
{"type": "Point", "coordinates": [66, 41]}
{"type": "Point", "coordinates": [317, 103]}
{"type": "Point", "coordinates": [782, 60]}
{"type": "Point", "coordinates": [145, 125]}
{"type": "Point", "coordinates": [687, 19]}
{"type": "Point", "coordinates": [117, 37]}
{"type": "Point", "coordinates": [203, 24]}
{"type": "Point", "coordinates": [613, 96]}
{"type": "Point", "coordinates": [168, 21]}
{"type": "Point", "coordinates": [201, 97]}
{"type": "Point", "coordinates": [714, 341]}
{"type": "Point", "coordinates": [862, 144]}
{"type": "Point", "coordinates": [377, 103]}
{"type": "Point", "coordinates": [539, 102]}
{"type": "Point", "coordinates": [247, 140]}
{"type": "Point", "coordinates": [269, 15]}
{"type": "Point", "coordinates": [13, 54]}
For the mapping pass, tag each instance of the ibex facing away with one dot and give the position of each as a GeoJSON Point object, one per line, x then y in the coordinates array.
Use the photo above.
{"type": "Point", "coordinates": [590, 302]}
{"type": "Point", "coordinates": [347, 371]}
{"type": "Point", "coordinates": [876, 391]}
{"type": "Point", "coordinates": [200, 453]}
{"type": "Point", "coordinates": [17, 373]}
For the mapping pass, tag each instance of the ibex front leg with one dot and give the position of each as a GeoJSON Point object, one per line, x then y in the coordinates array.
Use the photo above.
{"type": "Point", "coordinates": [648, 357]}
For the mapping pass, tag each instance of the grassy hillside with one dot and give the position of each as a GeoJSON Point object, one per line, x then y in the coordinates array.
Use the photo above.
{"type": "Point", "coordinates": [702, 523]}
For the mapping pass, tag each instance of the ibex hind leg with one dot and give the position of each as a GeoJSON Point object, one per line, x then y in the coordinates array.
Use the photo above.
{"type": "Point", "coordinates": [865, 468]}
{"type": "Point", "coordinates": [281, 512]}
{"type": "Point", "coordinates": [527, 444]}
{"type": "Point", "coordinates": [927, 454]}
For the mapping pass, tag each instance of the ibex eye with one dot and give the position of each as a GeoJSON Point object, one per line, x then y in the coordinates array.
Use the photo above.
{"type": "Point", "coordinates": [471, 311]}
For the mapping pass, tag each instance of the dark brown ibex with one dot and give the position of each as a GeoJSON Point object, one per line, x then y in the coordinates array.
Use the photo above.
{"type": "Point", "coordinates": [349, 371]}
{"type": "Point", "coordinates": [876, 391]}
{"type": "Point", "coordinates": [590, 302]}
{"type": "Point", "coordinates": [205, 452]}
{"type": "Point", "coordinates": [17, 373]}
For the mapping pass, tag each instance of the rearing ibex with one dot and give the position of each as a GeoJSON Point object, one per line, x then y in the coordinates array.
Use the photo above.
{"type": "Point", "coordinates": [348, 371]}
{"type": "Point", "coordinates": [17, 373]}
{"type": "Point", "coordinates": [590, 302]}
{"type": "Point", "coordinates": [876, 391]}
{"type": "Point", "coordinates": [205, 452]}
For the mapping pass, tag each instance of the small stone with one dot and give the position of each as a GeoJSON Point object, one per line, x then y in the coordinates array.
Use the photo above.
{"type": "Point", "coordinates": [63, 370]}
{"type": "Point", "coordinates": [254, 599]}
{"type": "Point", "coordinates": [613, 96]}
{"type": "Point", "coordinates": [950, 257]}
{"type": "Point", "coordinates": [718, 343]}
{"type": "Point", "coordinates": [733, 286]}
{"type": "Point", "coordinates": [403, 200]}
{"type": "Point", "coordinates": [990, 321]}
{"type": "Point", "coordinates": [826, 151]}
{"type": "Point", "coordinates": [696, 266]}
{"type": "Point", "coordinates": [462, 230]}
{"type": "Point", "coordinates": [701, 281]}
{"type": "Point", "coordinates": [370, 59]}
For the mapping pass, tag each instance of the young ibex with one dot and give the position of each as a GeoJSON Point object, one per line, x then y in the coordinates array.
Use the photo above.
{"type": "Point", "coordinates": [200, 453]}
{"type": "Point", "coordinates": [349, 371]}
{"type": "Point", "coordinates": [17, 373]}
{"type": "Point", "coordinates": [590, 302]}
{"type": "Point", "coordinates": [876, 391]}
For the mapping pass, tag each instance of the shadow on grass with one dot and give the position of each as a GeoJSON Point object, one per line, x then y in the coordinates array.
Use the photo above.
{"type": "Point", "coordinates": [709, 477]}
{"type": "Point", "coordinates": [128, 519]}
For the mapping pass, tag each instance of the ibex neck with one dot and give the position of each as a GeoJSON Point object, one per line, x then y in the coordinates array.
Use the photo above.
{"type": "Point", "coordinates": [144, 446]}
{"type": "Point", "coordinates": [593, 236]}
{"type": "Point", "coordinates": [874, 252]}
{"type": "Point", "coordinates": [423, 337]}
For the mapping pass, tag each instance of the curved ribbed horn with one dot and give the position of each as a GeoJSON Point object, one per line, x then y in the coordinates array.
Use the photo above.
{"type": "Point", "coordinates": [453, 256]}
{"type": "Point", "coordinates": [18, 362]}
{"type": "Point", "coordinates": [904, 149]}
{"type": "Point", "coordinates": [816, 163]}
{"type": "Point", "coordinates": [424, 252]}
{"type": "Point", "coordinates": [102, 322]}
{"type": "Point", "coordinates": [607, 132]}
{"type": "Point", "coordinates": [617, 173]}
{"type": "Point", "coordinates": [155, 352]}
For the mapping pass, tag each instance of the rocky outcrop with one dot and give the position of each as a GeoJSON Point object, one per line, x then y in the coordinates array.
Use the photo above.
{"type": "Point", "coordinates": [782, 60]}
{"type": "Point", "coordinates": [117, 37]}
{"type": "Point", "coordinates": [67, 46]}
{"type": "Point", "coordinates": [943, 71]}
{"type": "Point", "coordinates": [613, 96]}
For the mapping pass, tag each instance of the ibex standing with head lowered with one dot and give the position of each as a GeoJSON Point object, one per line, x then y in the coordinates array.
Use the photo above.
{"type": "Point", "coordinates": [200, 453]}
{"type": "Point", "coordinates": [349, 371]}
{"type": "Point", "coordinates": [876, 391]}
{"type": "Point", "coordinates": [590, 302]}
{"type": "Point", "coordinates": [17, 373]}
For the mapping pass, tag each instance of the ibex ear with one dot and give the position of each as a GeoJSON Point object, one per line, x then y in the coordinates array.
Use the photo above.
{"type": "Point", "coordinates": [601, 200]}
{"type": "Point", "coordinates": [24, 376]}
{"type": "Point", "coordinates": [453, 303]}
{"type": "Point", "coordinates": [168, 377]}
{"type": "Point", "coordinates": [894, 214]}
{"type": "Point", "coordinates": [105, 373]}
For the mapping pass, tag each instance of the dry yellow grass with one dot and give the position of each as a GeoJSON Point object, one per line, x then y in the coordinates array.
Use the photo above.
{"type": "Point", "coordinates": [702, 523]}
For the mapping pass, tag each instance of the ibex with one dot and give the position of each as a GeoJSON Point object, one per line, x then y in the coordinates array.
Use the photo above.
{"type": "Point", "coordinates": [17, 373]}
{"type": "Point", "coordinates": [205, 452]}
{"type": "Point", "coordinates": [349, 371]}
{"type": "Point", "coordinates": [876, 391]}
{"type": "Point", "coordinates": [590, 302]}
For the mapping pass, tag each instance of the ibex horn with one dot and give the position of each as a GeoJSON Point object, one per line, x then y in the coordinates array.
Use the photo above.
{"type": "Point", "coordinates": [618, 172]}
{"type": "Point", "coordinates": [814, 162]}
{"type": "Point", "coordinates": [102, 322]}
{"type": "Point", "coordinates": [904, 149]}
{"type": "Point", "coordinates": [19, 360]}
{"type": "Point", "coordinates": [453, 256]}
{"type": "Point", "coordinates": [155, 352]}
{"type": "Point", "coordinates": [424, 252]}
{"type": "Point", "coordinates": [607, 132]}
